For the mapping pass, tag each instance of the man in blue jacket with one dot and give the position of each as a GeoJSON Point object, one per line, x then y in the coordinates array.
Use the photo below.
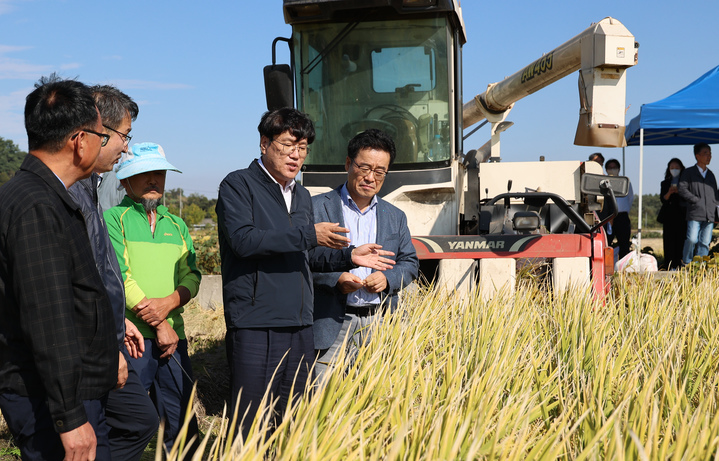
{"type": "Point", "coordinates": [269, 244]}
{"type": "Point", "coordinates": [129, 411]}
{"type": "Point", "coordinates": [347, 304]}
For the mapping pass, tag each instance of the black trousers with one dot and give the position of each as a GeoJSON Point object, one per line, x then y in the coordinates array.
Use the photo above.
{"type": "Point", "coordinates": [170, 389]}
{"type": "Point", "coordinates": [675, 231]}
{"type": "Point", "coordinates": [258, 364]}
{"type": "Point", "coordinates": [131, 416]}
{"type": "Point", "coordinates": [34, 433]}
{"type": "Point", "coordinates": [622, 230]}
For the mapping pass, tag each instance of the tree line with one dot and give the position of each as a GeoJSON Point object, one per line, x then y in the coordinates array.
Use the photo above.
{"type": "Point", "coordinates": [10, 159]}
{"type": "Point", "coordinates": [193, 209]}
{"type": "Point", "coordinates": [196, 207]}
{"type": "Point", "coordinates": [650, 210]}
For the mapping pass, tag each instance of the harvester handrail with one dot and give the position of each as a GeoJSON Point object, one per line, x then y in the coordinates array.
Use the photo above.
{"type": "Point", "coordinates": [563, 205]}
{"type": "Point", "coordinates": [607, 193]}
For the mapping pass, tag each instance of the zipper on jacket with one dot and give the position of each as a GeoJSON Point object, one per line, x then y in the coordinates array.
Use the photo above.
{"type": "Point", "coordinates": [257, 278]}
{"type": "Point", "coordinates": [302, 299]}
{"type": "Point", "coordinates": [302, 285]}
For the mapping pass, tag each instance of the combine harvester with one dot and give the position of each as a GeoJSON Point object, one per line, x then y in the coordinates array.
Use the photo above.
{"type": "Point", "coordinates": [396, 65]}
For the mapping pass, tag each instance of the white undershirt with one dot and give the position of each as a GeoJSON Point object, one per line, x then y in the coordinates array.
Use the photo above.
{"type": "Point", "coordinates": [702, 172]}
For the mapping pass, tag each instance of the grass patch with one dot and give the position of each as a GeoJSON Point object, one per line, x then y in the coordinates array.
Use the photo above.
{"type": "Point", "coordinates": [205, 331]}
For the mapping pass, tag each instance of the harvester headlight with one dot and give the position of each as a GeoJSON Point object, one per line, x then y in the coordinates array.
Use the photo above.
{"type": "Point", "coordinates": [526, 221]}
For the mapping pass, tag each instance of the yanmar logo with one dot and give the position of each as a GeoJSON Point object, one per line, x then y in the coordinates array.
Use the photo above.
{"type": "Point", "coordinates": [476, 245]}
{"type": "Point", "coordinates": [469, 244]}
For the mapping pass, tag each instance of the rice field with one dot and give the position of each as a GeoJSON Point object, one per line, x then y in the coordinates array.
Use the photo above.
{"type": "Point", "coordinates": [531, 377]}
{"type": "Point", "coordinates": [528, 377]}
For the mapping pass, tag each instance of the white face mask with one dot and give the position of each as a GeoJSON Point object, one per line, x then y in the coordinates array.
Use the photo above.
{"type": "Point", "coordinates": [674, 172]}
{"type": "Point", "coordinates": [612, 171]}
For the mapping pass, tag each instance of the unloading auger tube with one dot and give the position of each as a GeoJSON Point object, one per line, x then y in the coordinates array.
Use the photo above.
{"type": "Point", "coordinates": [601, 53]}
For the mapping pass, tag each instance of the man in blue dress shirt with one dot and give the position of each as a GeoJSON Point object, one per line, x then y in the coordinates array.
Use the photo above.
{"type": "Point", "coordinates": [348, 303]}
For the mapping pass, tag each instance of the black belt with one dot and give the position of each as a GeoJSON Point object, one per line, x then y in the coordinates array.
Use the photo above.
{"type": "Point", "coordinates": [362, 311]}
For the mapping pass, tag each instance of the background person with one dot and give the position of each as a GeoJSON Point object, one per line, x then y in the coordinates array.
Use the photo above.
{"type": "Point", "coordinates": [621, 225]}
{"type": "Point", "coordinates": [350, 301]}
{"type": "Point", "coordinates": [698, 188]}
{"type": "Point", "coordinates": [673, 215]}
{"type": "Point", "coordinates": [157, 260]}
{"type": "Point", "coordinates": [597, 157]}
{"type": "Point", "coordinates": [110, 192]}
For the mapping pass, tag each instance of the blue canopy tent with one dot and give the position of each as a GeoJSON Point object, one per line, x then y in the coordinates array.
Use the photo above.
{"type": "Point", "coordinates": [689, 116]}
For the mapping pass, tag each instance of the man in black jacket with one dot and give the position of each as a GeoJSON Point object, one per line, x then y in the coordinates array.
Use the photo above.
{"type": "Point", "coordinates": [129, 411]}
{"type": "Point", "coordinates": [267, 232]}
{"type": "Point", "coordinates": [698, 188]}
{"type": "Point", "coordinates": [58, 354]}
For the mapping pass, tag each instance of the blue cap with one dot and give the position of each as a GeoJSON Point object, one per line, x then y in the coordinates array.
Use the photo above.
{"type": "Point", "coordinates": [141, 158]}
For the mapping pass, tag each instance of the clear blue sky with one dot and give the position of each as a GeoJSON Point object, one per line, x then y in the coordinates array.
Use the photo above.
{"type": "Point", "coordinates": [195, 69]}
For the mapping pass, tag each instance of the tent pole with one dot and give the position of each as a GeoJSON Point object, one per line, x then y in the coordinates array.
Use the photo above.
{"type": "Point", "coordinates": [641, 177]}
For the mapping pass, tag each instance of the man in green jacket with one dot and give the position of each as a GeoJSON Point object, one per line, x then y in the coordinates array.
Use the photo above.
{"type": "Point", "coordinates": [157, 260]}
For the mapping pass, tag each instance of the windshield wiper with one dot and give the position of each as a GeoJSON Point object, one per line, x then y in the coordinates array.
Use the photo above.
{"type": "Point", "coordinates": [330, 46]}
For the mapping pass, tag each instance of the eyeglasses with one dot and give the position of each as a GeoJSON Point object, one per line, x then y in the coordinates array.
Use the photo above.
{"type": "Point", "coordinates": [288, 149]}
{"type": "Point", "coordinates": [365, 170]}
{"type": "Point", "coordinates": [125, 137]}
{"type": "Point", "coordinates": [105, 137]}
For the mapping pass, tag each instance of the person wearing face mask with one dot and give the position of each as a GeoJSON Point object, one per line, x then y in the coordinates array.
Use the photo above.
{"type": "Point", "coordinates": [621, 226]}
{"type": "Point", "coordinates": [672, 215]}
{"type": "Point", "coordinates": [698, 188]}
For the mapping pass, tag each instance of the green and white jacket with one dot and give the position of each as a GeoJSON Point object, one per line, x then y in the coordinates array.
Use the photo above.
{"type": "Point", "coordinates": [152, 266]}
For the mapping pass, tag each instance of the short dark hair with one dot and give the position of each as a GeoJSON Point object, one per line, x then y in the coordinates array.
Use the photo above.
{"type": "Point", "coordinates": [372, 139]}
{"type": "Point", "coordinates": [276, 122]}
{"type": "Point", "coordinates": [55, 109]}
{"type": "Point", "coordinates": [612, 160]}
{"type": "Point", "coordinates": [698, 147]}
{"type": "Point", "coordinates": [596, 156]}
{"type": "Point", "coordinates": [114, 105]}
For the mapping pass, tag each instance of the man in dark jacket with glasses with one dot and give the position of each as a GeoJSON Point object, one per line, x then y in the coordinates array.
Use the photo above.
{"type": "Point", "coordinates": [129, 411]}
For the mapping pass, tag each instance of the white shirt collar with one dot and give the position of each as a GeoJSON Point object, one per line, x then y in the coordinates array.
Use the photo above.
{"type": "Point", "coordinates": [286, 191]}
{"type": "Point", "coordinates": [290, 184]}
